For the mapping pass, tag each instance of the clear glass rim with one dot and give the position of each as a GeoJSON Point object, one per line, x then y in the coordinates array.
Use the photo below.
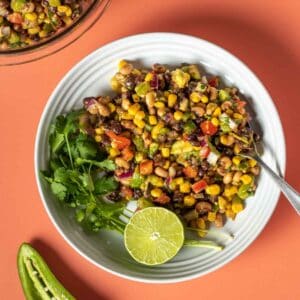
{"type": "Point", "coordinates": [58, 41]}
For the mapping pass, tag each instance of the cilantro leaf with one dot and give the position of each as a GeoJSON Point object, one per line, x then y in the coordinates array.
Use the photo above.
{"type": "Point", "coordinates": [59, 190]}
{"type": "Point", "coordinates": [105, 185]}
{"type": "Point", "coordinates": [86, 147]}
{"type": "Point", "coordinates": [106, 164]}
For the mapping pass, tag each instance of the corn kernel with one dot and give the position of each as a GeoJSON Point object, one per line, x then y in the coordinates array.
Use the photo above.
{"type": "Point", "coordinates": [134, 108]}
{"type": "Point", "coordinates": [156, 192]}
{"type": "Point", "coordinates": [237, 160]}
{"type": "Point", "coordinates": [224, 139]}
{"type": "Point", "coordinates": [67, 20]}
{"type": "Point", "coordinates": [230, 214]}
{"type": "Point", "coordinates": [217, 112]}
{"type": "Point", "coordinates": [211, 217]}
{"type": "Point", "coordinates": [98, 138]}
{"type": "Point", "coordinates": [172, 185]}
{"type": "Point", "coordinates": [156, 130]}
{"type": "Point", "coordinates": [178, 180]}
{"type": "Point", "coordinates": [122, 63]}
{"type": "Point", "coordinates": [165, 152]}
{"type": "Point", "coordinates": [135, 98]}
{"type": "Point", "coordinates": [127, 116]}
{"type": "Point", "coordinates": [136, 72]}
{"type": "Point", "coordinates": [236, 148]}
{"type": "Point", "coordinates": [140, 115]}
{"type": "Point", "coordinates": [65, 9]}
{"type": "Point", "coordinates": [166, 164]}
{"type": "Point", "coordinates": [31, 16]}
{"type": "Point", "coordinates": [111, 107]}
{"type": "Point", "coordinates": [113, 152]}
{"type": "Point", "coordinates": [148, 77]}
{"type": "Point", "coordinates": [215, 121]}
{"type": "Point", "coordinates": [34, 30]}
{"type": "Point", "coordinates": [195, 97]}
{"type": "Point", "coordinates": [139, 156]}
{"type": "Point", "coordinates": [202, 233]}
{"type": "Point", "coordinates": [189, 200]}
{"type": "Point", "coordinates": [246, 179]}
{"type": "Point", "coordinates": [152, 120]}
{"type": "Point", "coordinates": [204, 99]}
{"type": "Point", "coordinates": [156, 181]}
{"type": "Point", "coordinates": [229, 191]}
{"type": "Point", "coordinates": [99, 130]}
{"type": "Point", "coordinates": [115, 85]}
{"type": "Point", "coordinates": [159, 104]}
{"type": "Point", "coordinates": [201, 224]}
{"type": "Point", "coordinates": [213, 189]}
{"type": "Point", "coordinates": [185, 187]}
{"type": "Point", "coordinates": [172, 98]}
{"type": "Point", "coordinates": [252, 163]}
{"type": "Point", "coordinates": [237, 116]}
{"type": "Point", "coordinates": [237, 205]}
{"type": "Point", "coordinates": [139, 123]}
{"type": "Point", "coordinates": [43, 34]}
{"type": "Point", "coordinates": [166, 94]}
{"type": "Point", "coordinates": [222, 202]}
{"type": "Point", "coordinates": [178, 115]}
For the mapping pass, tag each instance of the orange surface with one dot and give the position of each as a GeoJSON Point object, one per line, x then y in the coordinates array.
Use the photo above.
{"type": "Point", "coordinates": [264, 34]}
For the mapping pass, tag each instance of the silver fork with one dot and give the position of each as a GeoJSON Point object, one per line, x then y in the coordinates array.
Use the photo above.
{"type": "Point", "coordinates": [290, 193]}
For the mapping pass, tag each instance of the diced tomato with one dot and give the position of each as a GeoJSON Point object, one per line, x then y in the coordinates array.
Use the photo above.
{"type": "Point", "coordinates": [214, 81]}
{"type": "Point", "coordinates": [190, 172]}
{"type": "Point", "coordinates": [127, 154]}
{"type": "Point", "coordinates": [199, 186]}
{"type": "Point", "coordinates": [126, 192]}
{"type": "Point", "coordinates": [121, 141]}
{"type": "Point", "coordinates": [208, 128]}
{"type": "Point", "coordinates": [163, 199]}
{"type": "Point", "coordinates": [240, 103]}
{"type": "Point", "coordinates": [204, 152]}
{"type": "Point", "coordinates": [146, 167]}
{"type": "Point", "coordinates": [15, 18]}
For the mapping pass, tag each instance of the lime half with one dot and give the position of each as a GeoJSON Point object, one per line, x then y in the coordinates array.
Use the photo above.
{"type": "Point", "coordinates": [153, 235]}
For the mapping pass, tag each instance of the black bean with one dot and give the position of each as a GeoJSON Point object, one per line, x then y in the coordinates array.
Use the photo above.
{"type": "Point", "coordinates": [137, 193]}
{"type": "Point", "coordinates": [201, 172]}
{"type": "Point", "coordinates": [204, 165]}
{"type": "Point", "coordinates": [158, 68]}
{"type": "Point", "coordinates": [115, 126]}
{"type": "Point", "coordinates": [105, 140]}
{"type": "Point", "coordinates": [177, 196]}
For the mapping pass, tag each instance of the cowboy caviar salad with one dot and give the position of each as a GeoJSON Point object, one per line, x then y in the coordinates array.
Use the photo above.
{"type": "Point", "coordinates": [169, 138]}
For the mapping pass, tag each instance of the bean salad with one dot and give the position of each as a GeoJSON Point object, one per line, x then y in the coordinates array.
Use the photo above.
{"type": "Point", "coordinates": [175, 137]}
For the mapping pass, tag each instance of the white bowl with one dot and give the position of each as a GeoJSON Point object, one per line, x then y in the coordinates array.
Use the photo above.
{"type": "Point", "coordinates": [91, 77]}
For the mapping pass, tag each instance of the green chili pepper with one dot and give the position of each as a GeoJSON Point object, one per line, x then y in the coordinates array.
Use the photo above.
{"type": "Point", "coordinates": [37, 280]}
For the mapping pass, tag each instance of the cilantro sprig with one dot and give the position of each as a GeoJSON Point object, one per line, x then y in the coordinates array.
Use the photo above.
{"type": "Point", "coordinates": [80, 175]}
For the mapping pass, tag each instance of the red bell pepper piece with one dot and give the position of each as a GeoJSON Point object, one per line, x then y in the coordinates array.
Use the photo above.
{"type": "Point", "coordinates": [199, 186]}
{"type": "Point", "coordinates": [121, 141]}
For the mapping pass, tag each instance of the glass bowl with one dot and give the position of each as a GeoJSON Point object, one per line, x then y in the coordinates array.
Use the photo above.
{"type": "Point", "coordinates": [58, 41]}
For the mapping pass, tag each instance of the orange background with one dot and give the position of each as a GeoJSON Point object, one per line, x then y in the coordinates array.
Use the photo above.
{"type": "Point", "coordinates": [265, 35]}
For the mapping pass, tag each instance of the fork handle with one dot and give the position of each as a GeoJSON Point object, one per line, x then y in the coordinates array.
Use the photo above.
{"type": "Point", "coordinates": [290, 193]}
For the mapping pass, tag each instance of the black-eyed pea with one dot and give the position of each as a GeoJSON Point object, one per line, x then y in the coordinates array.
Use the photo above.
{"type": "Point", "coordinates": [237, 177]}
{"type": "Point", "coordinates": [225, 162]}
{"type": "Point", "coordinates": [227, 178]}
{"type": "Point", "coordinates": [255, 170]}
